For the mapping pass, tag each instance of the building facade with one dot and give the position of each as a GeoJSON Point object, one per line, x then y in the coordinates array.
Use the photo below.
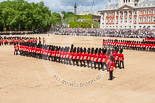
{"type": "Point", "coordinates": [128, 14]}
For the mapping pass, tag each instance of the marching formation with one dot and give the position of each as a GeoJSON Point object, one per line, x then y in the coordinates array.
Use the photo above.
{"type": "Point", "coordinates": [98, 58]}
{"type": "Point", "coordinates": [14, 40]}
{"type": "Point", "coordinates": [106, 58]}
{"type": "Point", "coordinates": [131, 45]}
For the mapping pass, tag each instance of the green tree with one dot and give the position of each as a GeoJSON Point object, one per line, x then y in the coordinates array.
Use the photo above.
{"type": "Point", "coordinates": [21, 15]}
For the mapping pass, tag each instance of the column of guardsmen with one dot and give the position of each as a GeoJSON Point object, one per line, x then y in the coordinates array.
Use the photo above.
{"type": "Point", "coordinates": [98, 58]}
{"type": "Point", "coordinates": [130, 45]}
{"type": "Point", "coordinates": [14, 40]}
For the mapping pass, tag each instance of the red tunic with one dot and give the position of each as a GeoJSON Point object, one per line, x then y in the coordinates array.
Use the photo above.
{"type": "Point", "coordinates": [103, 58]}
{"type": "Point", "coordinates": [111, 65]}
{"type": "Point", "coordinates": [107, 59]}
{"type": "Point", "coordinates": [116, 56]}
{"type": "Point", "coordinates": [121, 57]}
{"type": "Point", "coordinates": [92, 57]}
{"type": "Point", "coordinates": [16, 47]}
{"type": "Point", "coordinates": [78, 56]}
{"type": "Point", "coordinates": [85, 56]}
{"type": "Point", "coordinates": [96, 57]}
{"type": "Point", "coordinates": [81, 56]}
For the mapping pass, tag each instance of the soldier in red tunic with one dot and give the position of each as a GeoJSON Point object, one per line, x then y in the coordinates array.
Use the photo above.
{"type": "Point", "coordinates": [92, 57]}
{"type": "Point", "coordinates": [1, 41]}
{"type": "Point", "coordinates": [103, 59]}
{"type": "Point", "coordinates": [84, 57]}
{"type": "Point", "coordinates": [71, 56]}
{"type": "Point", "coordinates": [74, 56]}
{"type": "Point", "coordinates": [108, 58]}
{"type": "Point", "coordinates": [88, 57]}
{"type": "Point", "coordinates": [121, 59]}
{"type": "Point", "coordinates": [111, 67]}
{"type": "Point", "coordinates": [99, 59]}
{"type": "Point", "coordinates": [96, 58]}
{"type": "Point", "coordinates": [16, 49]}
{"type": "Point", "coordinates": [117, 58]}
{"type": "Point", "coordinates": [81, 57]}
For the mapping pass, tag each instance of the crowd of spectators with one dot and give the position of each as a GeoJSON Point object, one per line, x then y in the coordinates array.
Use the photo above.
{"type": "Point", "coordinates": [124, 33]}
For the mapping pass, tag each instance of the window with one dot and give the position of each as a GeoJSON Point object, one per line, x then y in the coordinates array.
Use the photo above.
{"type": "Point", "coordinates": [117, 20]}
{"type": "Point", "coordinates": [144, 19]}
{"type": "Point", "coordinates": [130, 20]}
{"type": "Point", "coordinates": [149, 11]}
{"type": "Point", "coordinates": [154, 19]}
{"type": "Point", "coordinates": [135, 12]}
{"type": "Point", "coordinates": [107, 20]}
{"type": "Point", "coordinates": [121, 20]}
{"type": "Point", "coordinates": [140, 12]}
{"type": "Point", "coordinates": [135, 20]}
{"type": "Point", "coordinates": [153, 11]}
{"type": "Point", "coordinates": [140, 27]}
{"type": "Point", "coordinates": [121, 13]}
{"type": "Point", "coordinates": [149, 19]}
{"type": "Point", "coordinates": [145, 12]}
{"type": "Point", "coordinates": [140, 19]}
{"type": "Point", "coordinates": [125, 13]}
{"type": "Point", "coordinates": [126, 20]}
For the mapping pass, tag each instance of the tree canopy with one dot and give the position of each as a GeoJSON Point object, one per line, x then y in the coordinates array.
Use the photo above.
{"type": "Point", "coordinates": [22, 15]}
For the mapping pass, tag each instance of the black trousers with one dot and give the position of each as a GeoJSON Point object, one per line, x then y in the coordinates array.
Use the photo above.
{"type": "Point", "coordinates": [103, 65]}
{"type": "Point", "coordinates": [70, 61]}
{"type": "Point", "coordinates": [84, 63]}
{"type": "Point", "coordinates": [92, 62]}
{"type": "Point", "coordinates": [81, 64]}
{"type": "Point", "coordinates": [99, 65]}
{"type": "Point", "coordinates": [74, 62]}
{"type": "Point", "coordinates": [16, 52]}
{"type": "Point", "coordinates": [117, 64]}
{"type": "Point", "coordinates": [110, 75]}
{"type": "Point", "coordinates": [88, 62]}
{"type": "Point", "coordinates": [121, 64]}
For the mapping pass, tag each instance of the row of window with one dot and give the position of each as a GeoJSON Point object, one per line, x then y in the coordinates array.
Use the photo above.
{"type": "Point", "coordinates": [145, 19]}
{"type": "Point", "coordinates": [130, 12]}
{"type": "Point", "coordinates": [145, 12]}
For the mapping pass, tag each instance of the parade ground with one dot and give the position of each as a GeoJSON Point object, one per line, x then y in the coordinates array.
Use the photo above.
{"type": "Point", "coordinates": [30, 80]}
